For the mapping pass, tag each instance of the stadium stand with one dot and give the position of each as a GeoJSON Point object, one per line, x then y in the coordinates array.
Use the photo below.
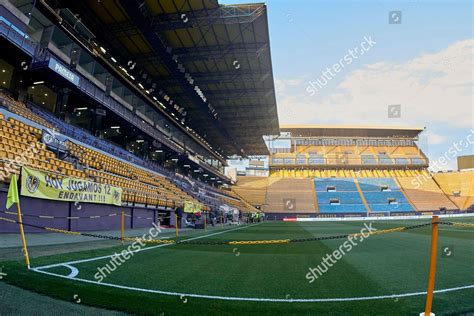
{"type": "Point", "coordinates": [458, 186]}
{"type": "Point", "coordinates": [253, 189]}
{"type": "Point", "coordinates": [147, 136]}
{"type": "Point", "coordinates": [338, 195]}
{"type": "Point", "coordinates": [140, 187]}
{"type": "Point", "coordinates": [20, 108]}
{"type": "Point", "coordinates": [290, 195]}
{"type": "Point", "coordinates": [18, 138]}
{"type": "Point", "coordinates": [425, 194]}
{"type": "Point", "coordinates": [384, 195]}
{"type": "Point", "coordinates": [357, 170]}
{"type": "Point", "coordinates": [350, 155]}
{"type": "Point", "coordinates": [89, 139]}
{"type": "Point", "coordinates": [134, 84]}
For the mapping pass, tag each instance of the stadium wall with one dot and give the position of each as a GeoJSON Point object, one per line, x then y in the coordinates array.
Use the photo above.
{"type": "Point", "coordinates": [39, 207]}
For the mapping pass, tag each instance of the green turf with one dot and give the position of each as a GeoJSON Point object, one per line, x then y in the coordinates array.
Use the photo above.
{"type": "Point", "coordinates": [388, 264]}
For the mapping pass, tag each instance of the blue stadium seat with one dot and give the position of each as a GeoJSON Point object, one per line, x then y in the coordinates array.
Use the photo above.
{"type": "Point", "coordinates": [374, 184]}
{"type": "Point", "coordinates": [383, 197]}
{"type": "Point", "coordinates": [343, 197]}
{"type": "Point", "coordinates": [343, 208]}
{"type": "Point", "coordinates": [345, 191]}
{"type": "Point", "coordinates": [341, 184]}
{"type": "Point", "coordinates": [400, 207]}
{"type": "Point", "coordinates": [378, 199]}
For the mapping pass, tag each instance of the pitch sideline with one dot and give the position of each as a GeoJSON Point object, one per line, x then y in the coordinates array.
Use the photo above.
{"type": "Point", "coordinates": [255, 299]}
{"type": "Point", "coordinates": [37, 269]}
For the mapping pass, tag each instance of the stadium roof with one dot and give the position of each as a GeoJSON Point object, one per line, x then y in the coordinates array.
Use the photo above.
{"type": "Point", "coordinates": [351, 131]}
{"type": "Point", "coordinates": [179, 45]}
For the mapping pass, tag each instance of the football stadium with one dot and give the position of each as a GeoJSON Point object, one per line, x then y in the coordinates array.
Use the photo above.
{"type": "Point", "coordinates": [155, 159]}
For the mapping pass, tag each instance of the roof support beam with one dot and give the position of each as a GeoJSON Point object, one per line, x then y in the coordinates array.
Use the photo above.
{"type": "Point", "coordinates": [237, 92]}
{"type": "Point", "coordinates": [139, 15]}
{"type": "Point", "coordinates": [229, 14]}
{"type": "Point", "coordinates": [207, 53]}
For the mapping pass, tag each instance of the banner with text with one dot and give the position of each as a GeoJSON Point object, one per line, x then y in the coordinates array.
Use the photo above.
{"type": "Point", "coordinates": [191, 207]}
{"type": "Point", "coordinates": [38, 184]}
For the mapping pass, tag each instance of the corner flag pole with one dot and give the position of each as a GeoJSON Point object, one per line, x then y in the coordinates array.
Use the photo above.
{"type": "Point", "coordinates": [432, 273]}
{"type": "Point", "coordinates": [13, 198]}
{"type": "Point", "coordinates": [22, 233]}
{"type": "Point", "coordinates": [176, 224]}
{"type": "Point", "coordinates": [122, 227]}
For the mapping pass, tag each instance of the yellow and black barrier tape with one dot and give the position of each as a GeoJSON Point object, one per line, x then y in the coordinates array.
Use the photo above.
{"type": "Point", "coordinates": [379, 232]}
{"type": "Point", "coordinates": [62, 231]}
{"type": "Point", "coordinates": [259, 242]}
{"type": "Point", "coordinates": [8, 220]}
{"type": "Point", "coordinates": [237, 242]}
{"type": "Point", "coordinates": [150, 241]}
{"type": "Point", "coordinates": [459, 224]}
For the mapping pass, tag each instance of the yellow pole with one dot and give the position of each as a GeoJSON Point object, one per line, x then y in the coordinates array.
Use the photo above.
{"type": "Point", "coordinates": [22, 233]}
{"type": "Point", "coordinates": [176, 224]}
{"type": "Point", "coordinates": [432, 273]}
{"type": "Point", "coordinates": [122, 227]}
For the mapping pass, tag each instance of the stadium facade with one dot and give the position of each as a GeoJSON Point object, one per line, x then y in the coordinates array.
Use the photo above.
{"type": "Point", "coordinates": [352, 171]}
{"type": "Point", "coordinates": [147, 100]}
{"type": "Point", "coordinates": [147, 97]}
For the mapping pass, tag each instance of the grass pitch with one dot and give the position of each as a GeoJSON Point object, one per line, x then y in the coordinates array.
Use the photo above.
{"type": "Point", "coordinates": [383, 275]}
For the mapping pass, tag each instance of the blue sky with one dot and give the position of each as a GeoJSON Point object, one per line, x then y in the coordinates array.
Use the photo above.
{"type": "Point", "coordinates": [424, 64]}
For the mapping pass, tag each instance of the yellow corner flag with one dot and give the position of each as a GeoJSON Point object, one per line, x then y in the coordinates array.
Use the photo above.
{"type": "Point", "coordinates": [13, 197]}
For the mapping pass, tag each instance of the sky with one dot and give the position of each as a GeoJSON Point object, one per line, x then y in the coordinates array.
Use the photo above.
{"type": "Point", "coordinates": [383, 63]}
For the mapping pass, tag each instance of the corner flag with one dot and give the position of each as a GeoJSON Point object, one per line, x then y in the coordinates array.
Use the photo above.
{"type": "Point", "coordinates": [12, 197]}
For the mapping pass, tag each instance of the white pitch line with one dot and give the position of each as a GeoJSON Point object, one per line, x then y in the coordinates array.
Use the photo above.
{"type": "Point", "coordinates": [227, 298]}
{"type": "Point", "coordinates": [74, 271]}
{"type": "Point", "coordinates": [135, 251]}
{"type": "Point", "coordinates": [256, 299]}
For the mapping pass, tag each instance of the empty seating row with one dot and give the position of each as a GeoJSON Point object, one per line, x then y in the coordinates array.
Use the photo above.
{"type": "Point", "coordinates": [20, 108]}
{"type": "Point", "coordinates": [343, 197]}
{"type": "Point", "coordinates": [336, 184]}
{"type": "Point", "coordinates": [288, 195]}
{"type": "Point", "coordinates": [253, 189]}
{"type": "Point", "coordinates": [377, 184]}
{"type": "Point", "coordinates": [350, 155]}
{"type": "Point", "coordinates": [18, 139]}
{"type": "Point", "coordinates": [425, 194]}
{"type": "Point", "coordinates": [342, 208]}
{"type": "Point", "coordinates": [345, 173]}
{"type": "Point", "coordinates": [458, 186]}
{"type": "Point", "coordinates": [384, 195]}
{"type": "Point", "coordinates": [20, 145]}
{"type": "Point", "coordinates": [338, 195]}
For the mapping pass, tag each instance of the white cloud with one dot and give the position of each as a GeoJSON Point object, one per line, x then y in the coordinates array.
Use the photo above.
{"type": "Point", "coordinates": [434, 139]}
{"type": "Point", "coordinates": [432, 89]}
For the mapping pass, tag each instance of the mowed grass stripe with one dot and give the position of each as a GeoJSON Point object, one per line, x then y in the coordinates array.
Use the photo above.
{"type": "Point", "coordinates": [278, 272]}
{"type": "Point", "coordinates": [345, 278]}
{"type": "Point", "coordinates": [207, 268]}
